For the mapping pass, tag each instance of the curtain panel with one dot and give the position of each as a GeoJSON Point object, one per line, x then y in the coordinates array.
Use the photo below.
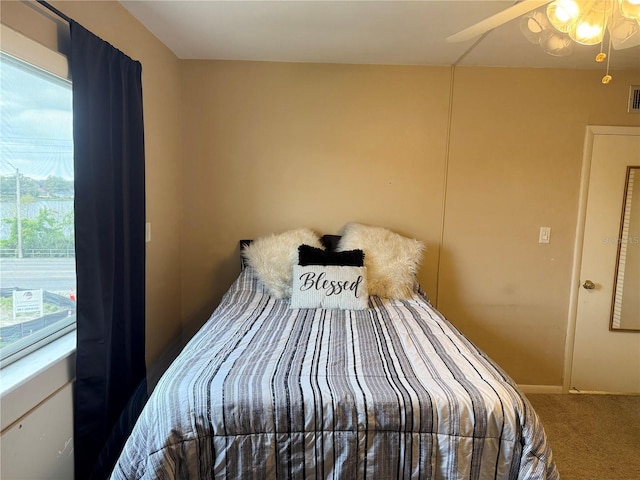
{"type": "Point", "coordinates": [110, 249]}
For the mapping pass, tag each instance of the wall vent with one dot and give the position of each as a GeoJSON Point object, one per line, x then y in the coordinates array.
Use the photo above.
{"type": "Point", "coordinates": [634, 99]}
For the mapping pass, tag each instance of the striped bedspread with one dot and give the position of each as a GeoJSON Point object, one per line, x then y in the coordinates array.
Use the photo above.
{"type": "Point", "coordinates": [263, 391]}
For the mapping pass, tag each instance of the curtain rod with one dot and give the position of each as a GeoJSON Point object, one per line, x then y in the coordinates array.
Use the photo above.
{"type": "Point", "coordinates": [54, 10]}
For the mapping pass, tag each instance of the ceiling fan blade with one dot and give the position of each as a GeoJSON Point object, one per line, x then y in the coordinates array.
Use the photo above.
{"type": "Point", "coordinates": [496, 20]}
{"type": "Point", "coordinates": [627, 43]}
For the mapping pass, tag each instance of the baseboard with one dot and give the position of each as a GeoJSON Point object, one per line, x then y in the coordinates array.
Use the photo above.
{"type": "Point", "coordinates": [575, 391]}
{"type": "Point", "coordinates": [540, 388]}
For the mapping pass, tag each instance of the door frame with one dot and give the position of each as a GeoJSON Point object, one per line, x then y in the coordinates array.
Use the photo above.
{"type": "Point", "coordinates": [591, 132]}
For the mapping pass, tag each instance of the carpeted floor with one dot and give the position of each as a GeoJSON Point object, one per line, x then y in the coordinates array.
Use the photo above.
{"type": "Point", "coordinates": [593, 437]}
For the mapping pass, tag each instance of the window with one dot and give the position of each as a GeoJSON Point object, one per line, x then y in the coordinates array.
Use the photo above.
{"type": "Point", "coordinates": [37, 255]}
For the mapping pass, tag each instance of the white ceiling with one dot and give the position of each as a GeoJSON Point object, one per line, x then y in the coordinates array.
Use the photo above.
{"type": "Point", "coordinates": [370, 32]}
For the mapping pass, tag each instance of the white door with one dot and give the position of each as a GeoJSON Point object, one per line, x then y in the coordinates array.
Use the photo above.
{"type": "Point", "coordinates": [604, 360]}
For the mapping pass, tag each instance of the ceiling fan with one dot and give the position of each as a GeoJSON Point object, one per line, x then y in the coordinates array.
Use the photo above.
{"type": "Point", "coordinates": [581, 21]}
{"type": "Point", "coordinates": [556, 26]}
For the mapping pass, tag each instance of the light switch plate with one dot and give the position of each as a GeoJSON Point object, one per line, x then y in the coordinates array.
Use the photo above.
{"type": "Point", "coordinates": [545, 235]}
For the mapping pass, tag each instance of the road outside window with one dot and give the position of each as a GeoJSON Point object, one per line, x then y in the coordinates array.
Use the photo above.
{"type": "Point", "coordinates": [37, 252]}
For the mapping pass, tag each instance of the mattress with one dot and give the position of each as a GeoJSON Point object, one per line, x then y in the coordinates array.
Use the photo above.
{"type": "Point", "coordinates": [264, 391]}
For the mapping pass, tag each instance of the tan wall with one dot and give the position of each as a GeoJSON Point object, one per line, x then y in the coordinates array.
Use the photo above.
{"type": "Point", "coordinates": [515, 160]}
{"type": "Point", "coordinates": [161, 101]}
{"type": "Point", "coordinates": [269, 147]}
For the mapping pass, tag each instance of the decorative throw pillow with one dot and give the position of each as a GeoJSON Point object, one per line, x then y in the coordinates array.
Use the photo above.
{"type": "Point", "coordinates": [273, 257]}
{"type": "Point", "coordinates": [329, 286]}
{"type": "Point", "coordinates": [308, 255]}
{"type": "Point", "coordinates": [392, 260]}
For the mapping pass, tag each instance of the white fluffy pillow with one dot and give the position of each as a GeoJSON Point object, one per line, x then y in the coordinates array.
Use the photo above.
{"type": "Point", "coordinates": [273, 257]}
{"type": "Point", "coordinates": [392, 260]}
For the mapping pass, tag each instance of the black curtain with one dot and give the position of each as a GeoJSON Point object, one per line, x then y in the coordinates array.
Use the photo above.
{"type": "Point", "coordinates": [110, 247]}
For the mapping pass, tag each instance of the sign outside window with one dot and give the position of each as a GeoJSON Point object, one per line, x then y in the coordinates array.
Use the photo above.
{"type": "Point", "coordinates": [27, 301]}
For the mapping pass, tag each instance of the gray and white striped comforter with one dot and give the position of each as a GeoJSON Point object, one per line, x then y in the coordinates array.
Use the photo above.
{"type": "Point", "coordinates": [264, 391]}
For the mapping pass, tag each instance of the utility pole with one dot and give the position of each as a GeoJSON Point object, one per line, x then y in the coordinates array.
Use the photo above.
{"type": "Point", "coordinates": [18, 211]}
{"type": "Point", "coordinates": [19, 214]}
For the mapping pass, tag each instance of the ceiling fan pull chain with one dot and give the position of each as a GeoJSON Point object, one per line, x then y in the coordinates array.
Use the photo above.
{"type": "Point", "coordinates": [600, 57]}
{"type": "Point", "coordinates": [607, 78]}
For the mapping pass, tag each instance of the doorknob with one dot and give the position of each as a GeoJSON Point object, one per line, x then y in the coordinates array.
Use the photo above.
{"type": "Point", "coordinates": [589, 285]}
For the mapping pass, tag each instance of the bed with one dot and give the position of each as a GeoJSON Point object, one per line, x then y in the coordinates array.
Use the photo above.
{"type": "Point", "coordinates": [390, 391]}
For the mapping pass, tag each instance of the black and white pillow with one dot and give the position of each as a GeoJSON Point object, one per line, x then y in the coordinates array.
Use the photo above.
{"type": "Point", "coordinates": [329, 286]}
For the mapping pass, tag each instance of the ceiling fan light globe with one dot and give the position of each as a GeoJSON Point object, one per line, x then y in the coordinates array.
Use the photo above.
{"type": "Point", "coordinates": [592, 21]}
{"type": "Point", "coordinates": [630, 8]}
{"type": "Point", "coordinates": [556, 44]}
{"type": "Point", "coordinates": [533, 25]}
{"type": "Point", "coordinates": [587, 33]}
{"type": "Point", "coordinates": [562, 14]}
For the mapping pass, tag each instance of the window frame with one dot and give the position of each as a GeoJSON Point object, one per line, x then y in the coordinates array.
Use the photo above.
{"type": "Point", "coordinates": [40, 57]}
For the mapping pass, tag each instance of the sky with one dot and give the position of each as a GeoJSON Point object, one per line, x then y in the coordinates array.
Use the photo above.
{"type": "Point", "coordinates": [35, 122]}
